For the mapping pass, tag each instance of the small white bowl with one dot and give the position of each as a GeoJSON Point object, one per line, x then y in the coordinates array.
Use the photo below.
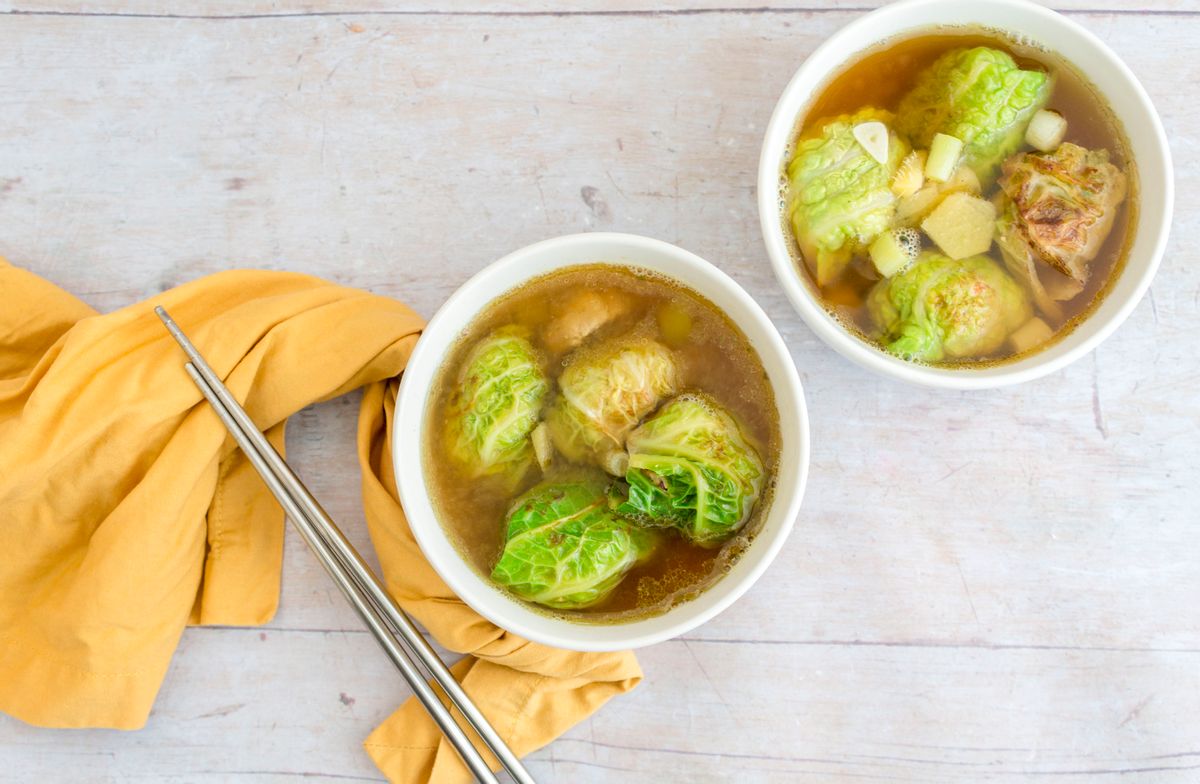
{"type": "Point", "coordinates": [503, 276]}
{"type": "Point", "coordinates": [1030, 23]}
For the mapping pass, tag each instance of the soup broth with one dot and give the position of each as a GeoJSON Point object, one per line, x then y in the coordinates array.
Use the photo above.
{"type": "Point", "coordinates": [714, 358]}
{"type": "Point", "coordinates": [881, 79]}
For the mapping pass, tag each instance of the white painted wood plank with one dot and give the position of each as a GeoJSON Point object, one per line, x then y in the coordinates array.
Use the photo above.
{"type": "Point", "coordinates": [715, 713]}
{"type": "Point", "coordinates": [708, 712]}
{"type": "Point", "coordinates": [251, 705]}
{"type": "Point", "coordinates": [238, 8]}
{"type": "Point", "coordinates": [1019, 563]}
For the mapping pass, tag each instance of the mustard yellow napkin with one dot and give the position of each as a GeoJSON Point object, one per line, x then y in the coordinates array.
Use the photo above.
{"type": "Point", "coordinates": [126, 512]}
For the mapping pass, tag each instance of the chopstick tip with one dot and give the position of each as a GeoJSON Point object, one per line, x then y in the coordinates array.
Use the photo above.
{"type": "Point", "coordinates": [171, 326]}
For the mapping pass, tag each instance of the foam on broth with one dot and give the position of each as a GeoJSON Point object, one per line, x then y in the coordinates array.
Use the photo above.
{"type": "Point", "coordinates": [716, 359]}
{"type": "Point", "coordinates": [880, 77]}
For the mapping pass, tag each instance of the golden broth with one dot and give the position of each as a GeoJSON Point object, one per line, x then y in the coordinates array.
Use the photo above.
{"type": "Point", "coordinates": [716, 358]}
{"type": "Point", "coordinates": [882, 77]}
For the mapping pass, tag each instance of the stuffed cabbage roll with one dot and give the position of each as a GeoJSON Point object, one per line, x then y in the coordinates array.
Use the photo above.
{"type": "Point", "coordinates": [840, 195]}
{"type": "Point", "coordinates": [1058, 208]}
{"type": "Point", "coordinates": [941, 308]}
{"type": "Point", "coordinates": [603, 393]}
{"type": "Point", "coordinates": [981, 97]}
{"type": "Point", "coordinates": [691, 467]}
{"type": "Point", "coordinates": [566, 547]}
{"type": "Point", "coordinates": [500, 395]}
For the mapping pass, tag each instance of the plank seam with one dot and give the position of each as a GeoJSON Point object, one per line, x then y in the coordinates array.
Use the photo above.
{"type": "Point", "coordinates": [986, 646]}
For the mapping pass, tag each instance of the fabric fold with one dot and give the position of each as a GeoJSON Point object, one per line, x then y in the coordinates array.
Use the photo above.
{"type": "Point", "coordinates": [126, 511]}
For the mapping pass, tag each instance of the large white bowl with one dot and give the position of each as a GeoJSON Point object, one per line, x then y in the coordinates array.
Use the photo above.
{"type": "Point", "coordinates": [1030, 23]}
{"type": "Point", "coordinates": [505, 275]}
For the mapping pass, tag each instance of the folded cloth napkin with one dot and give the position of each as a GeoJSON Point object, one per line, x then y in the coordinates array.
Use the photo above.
{"type": "Point", "coordinates": [126, 511]}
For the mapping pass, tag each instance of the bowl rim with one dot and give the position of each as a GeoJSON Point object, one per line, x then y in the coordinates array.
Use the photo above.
{"type": "Point", "coordinates": [808, 78]}
{"type": "Point", "coordinates": [449, 322]}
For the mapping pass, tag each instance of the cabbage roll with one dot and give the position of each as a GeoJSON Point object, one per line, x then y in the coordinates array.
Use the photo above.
{"type": "Point", "coordinates": [566, 547]}
{"type": "Point", "coordinates": [500, 395]}
{"type": "Point", "coordinates": [981, 97]}
{"type": "Point", "coordinates": [603, 393]}
{"type": "Point", "coordinates": [941, 308]}
{"type": "Point", "coordinates": [692, 468]}
{"type": "Point", "coordinates": [840, 196]}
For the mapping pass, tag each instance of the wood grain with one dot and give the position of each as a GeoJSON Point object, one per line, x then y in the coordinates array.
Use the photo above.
{"type": "Point", "coordinates": [996, 586]}
{"type": "Point", "coordinates": [239, 9]}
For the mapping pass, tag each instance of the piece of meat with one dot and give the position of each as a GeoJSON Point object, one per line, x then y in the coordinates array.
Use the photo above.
{"type": "Point", "coordinates": [581, 315]}
{"type": "Point", "coordinates": [1064, 204]}
{"type": "Point", "coordinates": [1046, 284]}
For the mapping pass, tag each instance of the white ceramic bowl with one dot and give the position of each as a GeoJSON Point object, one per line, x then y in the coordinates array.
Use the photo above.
{"type": "Point", "coordinates": [505, 275]}
{"type": "Point", "coordinates": [1031, 23]}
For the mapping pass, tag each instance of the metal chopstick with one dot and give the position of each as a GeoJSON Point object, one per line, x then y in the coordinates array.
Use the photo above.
{"type": "Point", "coordinates": [345, 552]}
{"type": "Point", "coordinates": [364, 607]}
{"type": "Point", "coordinates": [366, 610]}
{"type": "Point", "coordinates": [351, 574]}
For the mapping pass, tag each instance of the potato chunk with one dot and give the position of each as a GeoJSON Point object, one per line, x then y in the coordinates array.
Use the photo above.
{"type": "Point", "coordinates": [1046, 130]}
{"type": "Point", "coordinates": [962, 225]}
{"type": "Point", "coordinates": [674, 323]}
{"type": "Point", "coordinates": [1030, 335]}
{"type": "Point", "coordinates": [911, 210]}
{"type": "Point", "coordinates": [893, 251]}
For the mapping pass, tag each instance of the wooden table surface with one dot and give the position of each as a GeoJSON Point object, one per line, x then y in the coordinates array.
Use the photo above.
{"type": "Point", "coordinates": [991, 586]}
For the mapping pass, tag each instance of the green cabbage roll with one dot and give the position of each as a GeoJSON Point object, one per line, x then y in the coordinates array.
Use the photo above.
{"type": "Point", "coordinates": [500, 395]}
{"type": "Point", "coordinates": [840, 196]}
{"type": "Point", "coordinates": [941, 308]}
{"type": "Point", "coordinates": [692, 468]}
{"type": "Point", "coordinates": [603, 393]}
{"type": "Point", "coordinates": [1057, 208]}
{"type": "Point", "coordinates": [979, 96]}
{"type": "Point", "coordinates": [566, 547]}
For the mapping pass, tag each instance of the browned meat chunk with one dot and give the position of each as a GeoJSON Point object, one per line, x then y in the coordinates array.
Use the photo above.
{"type": "Point", "coordinates": [1061, 205]}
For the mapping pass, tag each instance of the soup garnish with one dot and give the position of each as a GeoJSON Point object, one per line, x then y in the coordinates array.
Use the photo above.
{"type": "Point", "coordinates": [602, 443]}
{"type": "Point", "coordinates": [959, 198]}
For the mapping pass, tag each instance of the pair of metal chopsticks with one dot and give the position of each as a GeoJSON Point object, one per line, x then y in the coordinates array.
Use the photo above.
{"type": "Point", "coordinates": [394, 631]}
